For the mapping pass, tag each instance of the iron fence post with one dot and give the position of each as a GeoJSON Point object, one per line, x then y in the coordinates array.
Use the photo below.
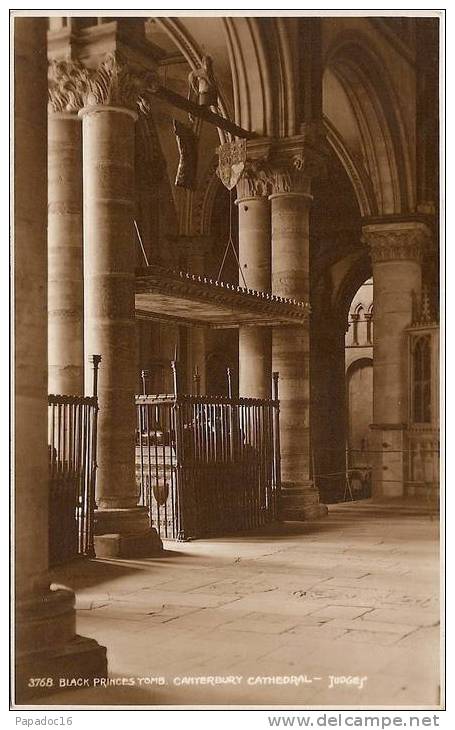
{"type": "Point", "coordinates": [95, 360]}
{"type": "Point", "coordinates": [179, 456]}
{"type": "Point", "coordinates": [276, 439]}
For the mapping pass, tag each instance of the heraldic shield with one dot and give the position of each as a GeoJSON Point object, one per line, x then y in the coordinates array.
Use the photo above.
{"type": "Point", "coordinates": [231, 162]}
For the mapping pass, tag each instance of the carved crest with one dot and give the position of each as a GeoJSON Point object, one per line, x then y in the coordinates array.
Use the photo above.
{"type": "Point", "coordinates": [231, 162]}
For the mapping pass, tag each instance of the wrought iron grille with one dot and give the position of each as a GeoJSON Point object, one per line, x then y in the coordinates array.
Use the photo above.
{"type": "Point", "coordinates": [207, 465]}
{"type": "Point", "coordinates": [72, 437]}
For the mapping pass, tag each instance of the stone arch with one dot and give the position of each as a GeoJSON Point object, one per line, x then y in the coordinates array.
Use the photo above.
{"type": "Point", "coordinates": [359, 411]}
{"type": "Point", "coordinates": [359, 308]}
{"type": "Point", "coordinates": [251, 48]}
{"type": "Point", "coordinates": [358, 272]}
{"type": "Point", "coordinates": [193, 53]}
{"type": "Point", "coordinates": [151, 187]}
{"type": "Point", "coordinates": [383, 155]}
{"type": "Point", "coordinates": [360, 181]}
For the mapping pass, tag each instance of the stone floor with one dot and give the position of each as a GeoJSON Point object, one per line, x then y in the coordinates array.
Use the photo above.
{"type": "Point", "coordinates": [353, 596]}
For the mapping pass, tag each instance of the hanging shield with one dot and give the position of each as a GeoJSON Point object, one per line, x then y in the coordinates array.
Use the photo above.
{"type": "Point", "coordinates": [231, 162]}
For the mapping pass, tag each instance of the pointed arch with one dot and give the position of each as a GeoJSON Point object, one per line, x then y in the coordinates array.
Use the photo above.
{"type": "Point", "coordinates": [375, 109]}
{"type": "Point", "coordinates": [356, 173]}
{"type": "Point", "coordinates": [251, 73]}
{"type": "Point", "coordinates": [193, 54]}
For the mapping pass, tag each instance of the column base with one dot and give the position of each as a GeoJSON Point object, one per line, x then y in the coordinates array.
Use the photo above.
{"type": "Point", "coordinates": [49, 654]}
{"type": "Point", "coordinates": [125, 533]}
{"type": "Point", "coordinates": [300, 502]}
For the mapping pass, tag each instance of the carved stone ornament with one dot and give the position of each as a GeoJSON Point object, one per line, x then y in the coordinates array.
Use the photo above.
{"type": "Point", "coordinates": [425, 311]}
{"type": "Point", "coordinates": [396, 241]}
{"type": "Point", "coordinates": [231, 162]}
{"type": "Point", "coordinates": [113, 83]}
{"type": "Point", "coordinates": [68, 82]}
{"type": "Point", "coordinates": [292, 174]}
{"type": "Point", "coordinates": [255, 180]}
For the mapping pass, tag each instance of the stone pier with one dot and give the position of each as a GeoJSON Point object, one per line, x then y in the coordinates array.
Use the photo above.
{"type": "Point", "coordinates": [108, 118]}
{"type": "Point", "coordinates": [290, 204]}
{"type": "Point", "coordinates": [65, 266]}
{"type": "Point", "coordinates": [46, 644]}
{"type": "Point", "coordinates": [396, 251]}
{"type": "Point", "coordinates": [255, 343]}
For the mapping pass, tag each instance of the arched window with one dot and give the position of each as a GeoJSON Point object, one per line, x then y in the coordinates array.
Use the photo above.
{"type": "Point", "coordinates": [421, 381]}
{"type": "Point", "coordinates": [369, 320]}
{"type": "Point", "coordinates": [356, 317]}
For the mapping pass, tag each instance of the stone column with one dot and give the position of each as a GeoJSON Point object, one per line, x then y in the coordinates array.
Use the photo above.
{"type": "Point", "coordinates": [291, 201]}
{"type": "Point", "coordinates": [255, 343]}
{"type": "Point", "coordinates": [108, 118]}
{"type": "Point", "coordinates": [396, 252]}
{"type": "Point", "coordinates": [65, 275]}
{"type": "Point", "coordinates": [46, 644]}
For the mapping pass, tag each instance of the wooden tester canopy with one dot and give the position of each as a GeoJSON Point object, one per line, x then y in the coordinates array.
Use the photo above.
{"type": "Point", "coordinates": [164, 294]}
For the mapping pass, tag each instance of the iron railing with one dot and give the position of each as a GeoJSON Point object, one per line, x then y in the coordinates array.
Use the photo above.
{"type": "Point", "coordinates": [72, 439]}
{"type": "Point", "coordinates": [207, 465]}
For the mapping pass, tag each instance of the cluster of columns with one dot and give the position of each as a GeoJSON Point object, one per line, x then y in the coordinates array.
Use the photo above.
{"type": "Point", "coordinates": [274, 200]}
{"type": "Point", "coordinates": [274, 205]}
{"type": "Point", "coordinates": [396, 250]}
{"type": "Point", "coordinates": [46, 642]}
{"type": "Point", "coordinates": [92, 278]}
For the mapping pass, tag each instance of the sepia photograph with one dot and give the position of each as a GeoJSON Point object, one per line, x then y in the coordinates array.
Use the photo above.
{"type": "Point", "coordinates": [226, 247]}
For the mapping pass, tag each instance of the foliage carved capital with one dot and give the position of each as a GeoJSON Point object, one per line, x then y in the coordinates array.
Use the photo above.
{"type": "Point", "coordinates": [116, 83]}
{"type": "Point", "coordinates": [294, 162]}
{"type": "Point", "coordinates": [255, 181]}
{"type": "Point", "coordinates": [67, 86]}
{"type": "Point", "coordinates": [405, 241]}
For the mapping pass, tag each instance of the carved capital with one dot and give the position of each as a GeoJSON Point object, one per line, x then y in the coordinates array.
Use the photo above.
{"type": "Point", "coordinates": [404, 241]}
{"type": "Point", "coordinates": [116, 83]}
{"type": "Point", "coordinates": [294, 163]}
{"type": "Point", "coordinates": [255, 181]}
{"type": "Point", "coordinates": [67, 86]}
{"type": "Point", "coordinates": [290, 176]}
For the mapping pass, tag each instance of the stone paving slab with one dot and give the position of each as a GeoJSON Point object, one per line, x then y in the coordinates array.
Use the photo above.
{"type": "Point", "coordinates": [353, 595]}
{"type": "Point", "coordinates": [146, 614]}
{"type": "Point", "coordinates": [206, 619]}
{"type": "Point", "coordinates": [363, 624]}
{"type": "Point", "coordinates": [378, 638]}
{"type": "Point", "coordinates": [263, 623]}
{"type": "Point", "coordinates": [328, 631]}
{"type": "Point", "coordinates": [417, 616]}
{"type": "Point", "coordinates": [342, 611]}
{"type": "Point", "coordinates": [154, 597]}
